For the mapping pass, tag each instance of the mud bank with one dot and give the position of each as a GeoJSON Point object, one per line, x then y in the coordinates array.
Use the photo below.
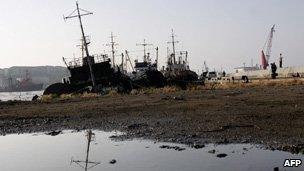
{"type": "Point", "coordinates": [272, 116]}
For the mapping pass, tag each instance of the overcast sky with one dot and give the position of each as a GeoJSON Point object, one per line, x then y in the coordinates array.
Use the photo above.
{"type": "Point", "coordinates": [225, 33]}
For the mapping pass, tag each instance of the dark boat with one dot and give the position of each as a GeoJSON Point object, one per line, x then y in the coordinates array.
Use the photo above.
{"type": "Point", "coordinates": [145, 73]}
{"type": "Point", "coordinates": [178, 71]}
{"type": "Point", "coordinates": [89, 73]}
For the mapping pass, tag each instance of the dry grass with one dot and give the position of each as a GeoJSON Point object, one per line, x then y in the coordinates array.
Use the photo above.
{"type": "Point", "coordinates": [47, 98]}
{"type": "Point", "coordinates": [172, 89]}
{"type": "Point", "coordinates": [89, 95]}
{"type": "Point", "coordinates": [255, 83]}
{"type": "Point", "coordinates": [112, 93]}
{"type": "Point", "coordinates": [164, 90]}
{"type": "Point", "coordinates": [64, 97]}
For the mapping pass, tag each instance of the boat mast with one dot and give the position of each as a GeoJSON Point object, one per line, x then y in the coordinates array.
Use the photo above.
{"type": "Point", "coordinates": [144, 45]}
{"type": "Point", "coordinates": [173, 46]}
{"type": "Point", "coordinates": [85, 163]}
{"type": "Point", "coordinates": [122, 63]}
{"type": "Point", "coordinates": [112, 44]}
{"type": "Point", "coordinates": [85, 43]}
{"type": "Point", "coordinates": [156, 61]}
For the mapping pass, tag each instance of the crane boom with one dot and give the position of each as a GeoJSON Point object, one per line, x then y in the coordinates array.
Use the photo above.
{"type": "Point", "coordinates": [268, 45]}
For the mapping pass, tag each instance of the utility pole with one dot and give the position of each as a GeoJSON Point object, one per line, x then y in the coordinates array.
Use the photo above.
{"type": "Point", "coordinates": [173, 46]}
{"type": "Point", "coordinates": [145, 50]}
{"type": "Point", "coordinates": [85, 43]}
{"type": "Point", "coordinates": [112, 44]}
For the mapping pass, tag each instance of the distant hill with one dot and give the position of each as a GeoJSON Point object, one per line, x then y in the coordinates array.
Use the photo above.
{"type": "Point", "coordinates": [39, 74]}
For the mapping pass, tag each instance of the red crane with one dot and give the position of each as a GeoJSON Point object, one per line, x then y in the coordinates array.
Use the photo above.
{"type": "Point", "coordinates": [267, 47]}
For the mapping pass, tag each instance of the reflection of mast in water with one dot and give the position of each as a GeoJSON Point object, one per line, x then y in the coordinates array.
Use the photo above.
{"type": "Point", "coordinates": [90, 136]}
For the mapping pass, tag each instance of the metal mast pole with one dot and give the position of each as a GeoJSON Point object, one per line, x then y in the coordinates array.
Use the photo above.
{"type": "Point", "coordinates": [112, 44]}
{"type": "Point", "coordinates": [144, 45]}
{"type": "Point", "coordinates": [156, 58]}
{"type": "Point", "coordinates": [122, 63]}
{"type": "Point", "coordinates": [173, 46]}
{"type": "Point", "coordinates": [86, 163]}
{"type": "Point", "coordinates": [89, 134]}
{"type": "Point", "coordinates": [85, 43]}
{"type": "Point", "coordinates": [113, 51]}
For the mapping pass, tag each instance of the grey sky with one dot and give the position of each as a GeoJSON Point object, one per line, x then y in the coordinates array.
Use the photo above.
{"type": "Point", "coordinates": [225, 33]}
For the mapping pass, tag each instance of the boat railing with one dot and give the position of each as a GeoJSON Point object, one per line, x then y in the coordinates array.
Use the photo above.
{"type": "Point", "coordinates": [78, 62]}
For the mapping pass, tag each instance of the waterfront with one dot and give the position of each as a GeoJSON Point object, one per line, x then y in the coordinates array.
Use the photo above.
{"type": "Point", "coordinates": [21, 96]}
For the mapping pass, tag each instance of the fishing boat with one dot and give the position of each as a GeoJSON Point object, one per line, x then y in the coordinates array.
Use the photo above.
{"type": "Point", "coordinates": [94, 73]}
{"type": "Point", "coordinates": [178, 71]}
{"type": "Point", "coordinates": [146, 73]}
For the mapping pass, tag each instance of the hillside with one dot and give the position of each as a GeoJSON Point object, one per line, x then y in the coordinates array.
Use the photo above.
{"type": "Point", "coordinates": [39, 74]}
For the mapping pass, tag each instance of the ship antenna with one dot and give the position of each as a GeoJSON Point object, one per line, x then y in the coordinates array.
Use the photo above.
{"type": "Point", "coordinates": [85, 43]}
{"type": "Point", "coordinates": [144, 44]}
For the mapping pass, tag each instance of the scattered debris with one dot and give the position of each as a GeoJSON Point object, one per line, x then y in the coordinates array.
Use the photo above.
{"type": "Point", "coordinates": [276, 169]}
{"type": "Point", "coordinates": [222, 155]}
{"type": "Point", "coordinates": [226, 127]}
{"type": "Point", "coordinates": [113, 137]}
{"type": "Point", "coordinates": [113, 161]}
{"type": "Point", "coordinates": [54, 133]}
{"type": "Point", "coordinates": [212, 151]}
{"type": "Point", "coordinates": [35, 98]}
{"type": "Point", "coordinates": [198, 146]}
{"type": "Point", "coordinates": [178, 98]}
{"type": "Point", "coordinates": [177, 148]}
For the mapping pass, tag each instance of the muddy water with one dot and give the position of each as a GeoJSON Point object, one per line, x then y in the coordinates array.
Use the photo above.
{"type": "Point", "coordinates": [68, 152]}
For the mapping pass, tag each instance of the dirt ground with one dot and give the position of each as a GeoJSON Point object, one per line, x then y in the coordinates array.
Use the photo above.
{"type": "Point", "coordinates": [269, 115]}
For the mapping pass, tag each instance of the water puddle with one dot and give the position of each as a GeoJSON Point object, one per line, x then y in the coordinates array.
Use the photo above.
{"type": "Point", "coordinates": [96, 151]}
